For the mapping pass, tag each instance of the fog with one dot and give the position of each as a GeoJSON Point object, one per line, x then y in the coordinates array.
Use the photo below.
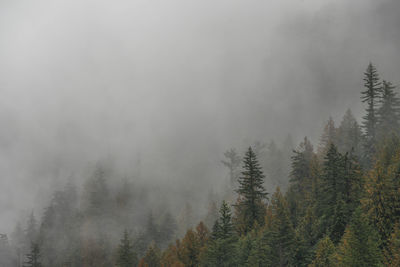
{"type": "Point", "coordinates": [163, 88]}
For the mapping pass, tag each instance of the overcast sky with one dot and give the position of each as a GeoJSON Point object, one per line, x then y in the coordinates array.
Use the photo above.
{"type": "Point", "coordinates": [174, 83]}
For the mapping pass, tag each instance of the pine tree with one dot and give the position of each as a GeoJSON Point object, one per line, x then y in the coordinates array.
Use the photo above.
{"type": "Point", "coordinates": [360, 244]}
{"type": "Point", "coordinates": [370, 96]}
{"type": "Point", "coordinates": [126, 256]}
{"type": "Point", "coordinates": [388, 113]}
{"type": "Point", "coordinates": [280, 230]}
{"type": "Point", "coordinates": [252, 190]}
{"type": "Point", "coordinates": [349, 135]}
{"type": "Point", "coordinates": [324, 254]}
{"type": "Point", "coordinates": [152, 257]}
{"type": "Point", "coordinates": [392, 251]}
{"type": "Point", "coordinates": [33, 257]}
{"type": "Point", "coordinates": [381, 201]}
{"type": "Point", "coordinates": [190, 249]}
{"type": "Point", "coordinates": [331, 182]}
{"type": "Point", "coordinates": [328, 137]}
{"type": "Point", "coordinates": [301, 188]}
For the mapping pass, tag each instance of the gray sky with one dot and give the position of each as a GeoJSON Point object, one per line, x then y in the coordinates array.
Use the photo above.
{"type": "Point", "coordinates": [175, 82]}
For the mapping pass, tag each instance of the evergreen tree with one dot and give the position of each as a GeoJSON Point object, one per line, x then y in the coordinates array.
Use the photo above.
{"type": "Point", "coordinates": [370, 96]}
{"type": "Point", "coordinates": [392, 251]}
{"type": "Point", "coordinates": [324, 254]}
{"type": "Point", "coordinates": [252, 190]}
{"type": "Point", "coordinates": [388, 113]}
{"type": "Point", "coordinates": [126, 256]}
{"type": "Point", "coordinates": [329, 136]}
{"type": "Point", "coordinates": [33, 257]}
{"type": "Point", "coordinates": [302, 180]}
{"type": "Point", "coordinates": [152, 257]}
{"type": "Point", "coordinates": [381, 201]}
{"type": "Point", "coordinates": [221, 249]}
{"type": "Point", "coordinates": [360, 244]}
{"type": "Point", "coordinates": [349, 135]}
{"type": "Point", "coordinates": [190, 249]}
{"type": "Point", "coordinates": [280, 230]}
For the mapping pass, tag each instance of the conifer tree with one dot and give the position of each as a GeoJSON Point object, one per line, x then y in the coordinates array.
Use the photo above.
{"type": "Point", "coordinates": [252, 190]}
{"type": "Point", "coordinates": [331, 182]}
{"type": "Point", "coordinates": [328, 137]}
{"type": "Point", "coordinates": [221, 250]}
{"type": "Point", "coordinates": [392, 251]}
{"type": "Point", "coordinates": [324, 254]}
{"type": "Point", "coordinates": [349, 135]}
{"type": "Point", "coordinates": [126, 256]}
{"type": "Point", "coordinates": [381, 201]}
{"type": "Point", "coordinates": [370, 96]}
{"type": "Point", "coordinates": [302, 175]}
{"type": "Point", "coordinates": [152, 257]}
{"type": "Point", "coordinates": [360, 244]}
{"type": "Point", "coordinates": [388, 113]}
{"type": "Point", "coordinates": [33, 257]}
{"type": "Point", "coordinates": [280, 230]}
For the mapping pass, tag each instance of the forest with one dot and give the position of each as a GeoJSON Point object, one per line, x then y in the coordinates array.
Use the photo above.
{"type": "Point", "coordinates": [208, 133]}
{"type": "Point", "coordinates": [340, 206]}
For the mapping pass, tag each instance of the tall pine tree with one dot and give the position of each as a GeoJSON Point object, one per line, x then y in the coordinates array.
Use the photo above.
{"type": "Point", "coordinates": [126, 256]}
{"type": "Point", "coordinates": [388, 113]}
{"type": "Point", "coordinates": [252, 191]}
{"type": "Point", "coordinates": [370, 96]}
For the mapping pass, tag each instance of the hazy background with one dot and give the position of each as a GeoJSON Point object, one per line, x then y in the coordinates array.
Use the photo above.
{"type": "Point", "coordinates": [163, 88]}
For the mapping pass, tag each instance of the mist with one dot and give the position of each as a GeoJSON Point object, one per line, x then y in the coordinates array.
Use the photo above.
{"type": "Point", "coordinates": [163, 88]}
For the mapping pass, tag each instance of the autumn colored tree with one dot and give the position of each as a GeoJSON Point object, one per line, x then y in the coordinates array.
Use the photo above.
{"type": "Point", "coordinates": [324, 254]}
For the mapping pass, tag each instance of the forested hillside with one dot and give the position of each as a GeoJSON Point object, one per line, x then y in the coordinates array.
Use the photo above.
{"type": "Point", "coordinates": [334, 205]}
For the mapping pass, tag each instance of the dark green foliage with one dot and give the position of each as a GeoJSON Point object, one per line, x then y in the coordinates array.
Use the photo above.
{"type": "Point", "coordinates": [126, 255]}
{"type": "Point", "coordinates": [252, 190]}
{"type": "Point", "coordinates": [371, 96]}
{"type": "Point", "coordinates": [360, 244]}
{"type": "Point", "coordinates": [221, 249]}
{"type": "Point", "coordinates": [325, 254]}
{"type": "Point", "coordinates": [388, 113]}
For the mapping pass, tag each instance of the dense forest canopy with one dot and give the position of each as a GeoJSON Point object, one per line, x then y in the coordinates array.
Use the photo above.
{"type": "Point", "coordinates": [203, 133]}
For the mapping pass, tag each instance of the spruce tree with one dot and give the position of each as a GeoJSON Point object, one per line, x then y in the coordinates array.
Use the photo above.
{"type": "Point", "coordinates": [349, 135]}
{"type": "Point", "coordinates": [252, 191]}
{"type": "Point", "coordinates": [221, 249]}
{"type": "Point", "coordinates": [388, 113]}
{"type": "Point", "coordinates": [126, 256]}
{"type": "Point", "coordinates": [324, 254]}
{"type": "Point", "coordinates": [360, 244]}
{"type": "Point", "coordinates": [370, 96]}
{"type": "Point", "coordinates": [328, 137]}
{"type": "Point", "coordinates": [392, 251]}
{"type": "Point", "coordinates": [280, 231]}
